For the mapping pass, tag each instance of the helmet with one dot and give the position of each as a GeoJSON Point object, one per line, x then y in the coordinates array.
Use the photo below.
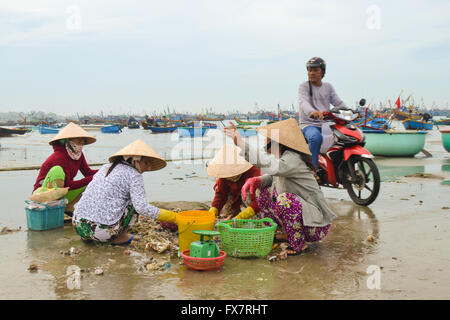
{"type": "Point", "coordinates": [317, 62]}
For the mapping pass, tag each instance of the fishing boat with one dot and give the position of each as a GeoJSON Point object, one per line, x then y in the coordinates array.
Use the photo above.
{"type": "Point", "coordinates": [446, 139]}
{"type": "Point", "coordinates": [27, 128]}
{"type": "Point", "coordinates": [115, 128]}
{"type": "Point", "coordinates": [247, 131]}
{"type": "Point", "coordinates": [145, 125]}
{"type": "Point", "coordinates": [442, 122]}
{"type": "Point", "coordinates": [360, 120]}
{"type": "Point", "coordinates": [47, 130]}
{"type": "Point", "coordinates": [6, 132]}
{"type": "Point", "coordinates": [277, 117]}
{"type": "Point", "coordinates": [208, 125]}
{"type": "Point", "coordinates": [92, 127]}
{"type": "Point", "coordinates": [391, 143]}
{"type": "Point", "coordinates": [192, 131]}
{"type": "Point", "coordinates": [400, 115]}
{"type": "Point", "coordinates": [410, 124]}
{"type": "Point", "coordinates": [247, 123]}
{"type": "Point", "coordinates": [161, 129]}
{"type": "Point", "coordinates": [203, 118]}
{"type": "Point", "coordinates": [133, 125]}
{"type": "Point", "coordinates": [376, 124]}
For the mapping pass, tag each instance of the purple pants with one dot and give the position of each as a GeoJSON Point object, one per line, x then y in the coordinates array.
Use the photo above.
{"type": "Point", "coordinates": [286, 210]}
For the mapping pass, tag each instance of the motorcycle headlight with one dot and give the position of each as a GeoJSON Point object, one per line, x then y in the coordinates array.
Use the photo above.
{"type": "Point", "coordinates": [345, 138]}
{"type": "Point", "coordinates": [363, 136]}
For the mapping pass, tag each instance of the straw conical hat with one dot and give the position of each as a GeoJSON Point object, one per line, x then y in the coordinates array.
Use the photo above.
{"type": "Point", "coordinates": [227, 163]}
{"type": "Point", "coordinates": [286, 132]}
{"type": "Point", "coordinates": [140, 148]}
{"type": "Point", "coordinates": [73, 130]}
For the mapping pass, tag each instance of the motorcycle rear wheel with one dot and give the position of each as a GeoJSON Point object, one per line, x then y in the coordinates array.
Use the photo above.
{"type": "Point", "coordinates": [367, 180]}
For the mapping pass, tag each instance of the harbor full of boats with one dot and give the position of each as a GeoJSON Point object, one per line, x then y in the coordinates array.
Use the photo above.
{"type": "Point", "coordinates": [382, 138]}
{"type": "Point", "coordinates": [388, 132]}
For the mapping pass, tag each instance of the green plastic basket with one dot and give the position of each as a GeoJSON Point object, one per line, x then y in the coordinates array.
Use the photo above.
{"type": "Point", "coordinates": [247, 238]}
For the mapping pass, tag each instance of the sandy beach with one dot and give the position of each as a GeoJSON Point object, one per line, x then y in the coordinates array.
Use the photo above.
{"type": "Point", "coordinates": [409, 224]}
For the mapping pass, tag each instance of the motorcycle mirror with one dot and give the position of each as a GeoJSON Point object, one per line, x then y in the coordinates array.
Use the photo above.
{"type": "Point", "coordinates": [362, 102]}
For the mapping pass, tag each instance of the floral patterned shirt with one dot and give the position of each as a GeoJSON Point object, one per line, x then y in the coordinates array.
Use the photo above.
{"type": "Point", "coordinates": [105, 199]}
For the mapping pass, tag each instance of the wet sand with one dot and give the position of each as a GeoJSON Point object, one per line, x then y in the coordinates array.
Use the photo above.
{"type": "Point", "coordinates": [410, 223]}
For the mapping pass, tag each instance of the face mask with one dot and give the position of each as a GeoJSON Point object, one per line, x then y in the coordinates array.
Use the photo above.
{"type": "Point", "coordinates": [74, 150]}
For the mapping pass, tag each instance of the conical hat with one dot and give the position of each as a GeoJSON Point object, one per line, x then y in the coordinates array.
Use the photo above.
{"type": "Point", "coordinates": [286, 132]}
{"type": "Point", "coordinates": [227, 163]}
{"type": "Point", "coordinates": [73, 130]}
{"type": "Point", "coordinates": [140, 148]}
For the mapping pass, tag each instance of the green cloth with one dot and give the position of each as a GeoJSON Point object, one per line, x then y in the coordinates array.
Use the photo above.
{"type": "Point", "coordinates": [57, 173]}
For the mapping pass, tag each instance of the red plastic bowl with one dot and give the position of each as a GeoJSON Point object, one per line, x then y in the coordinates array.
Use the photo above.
{"type": "Point", "coordinates": [203, 263]}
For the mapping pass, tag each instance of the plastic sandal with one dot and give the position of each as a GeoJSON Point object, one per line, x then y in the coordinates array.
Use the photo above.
{"type": "Point", "coordinates": [126, 242]}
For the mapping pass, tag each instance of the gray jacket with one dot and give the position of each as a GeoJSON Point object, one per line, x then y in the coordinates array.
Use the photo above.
{"type": "Point", "coordinates": [321, 99]}
{"type": "Point", "coordinates": [291, 174]}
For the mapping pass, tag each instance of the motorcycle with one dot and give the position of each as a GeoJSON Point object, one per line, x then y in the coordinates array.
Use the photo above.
{"type": "Point", "coordinates": [343, 160]}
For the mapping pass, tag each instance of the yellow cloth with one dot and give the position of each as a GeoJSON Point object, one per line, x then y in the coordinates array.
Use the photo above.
{"type": "Point", "coordinates": [246, 214]}
{"type": "Point", "coordinates": [167, 216]}
{"type": "Point", "coordinates": [214, 210]}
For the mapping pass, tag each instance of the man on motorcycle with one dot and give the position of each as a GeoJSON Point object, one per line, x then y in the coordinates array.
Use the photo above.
{"type": "Point", "coordinates": [315, 97]}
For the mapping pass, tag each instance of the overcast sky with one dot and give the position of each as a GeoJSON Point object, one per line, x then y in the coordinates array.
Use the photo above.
{"type": "Point", "coordinates": [140, 56]}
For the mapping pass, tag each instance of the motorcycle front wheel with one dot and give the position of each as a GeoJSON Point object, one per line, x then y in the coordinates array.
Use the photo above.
{"type": "Point", "coordinates": [363, 185]}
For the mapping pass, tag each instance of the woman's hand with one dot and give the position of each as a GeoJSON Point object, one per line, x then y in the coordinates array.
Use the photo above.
{"type": "Point", "coordinates": [251, 184]}
{"type": "Point", "coordinates": [235, 135]}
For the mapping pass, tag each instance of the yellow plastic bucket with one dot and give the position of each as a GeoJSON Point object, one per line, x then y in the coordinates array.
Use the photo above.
{"type": "Point", "coordinates": [191, 220]}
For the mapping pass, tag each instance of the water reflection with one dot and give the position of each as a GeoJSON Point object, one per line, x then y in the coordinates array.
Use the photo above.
{"type": "Point", "coordinates": [389, 173]}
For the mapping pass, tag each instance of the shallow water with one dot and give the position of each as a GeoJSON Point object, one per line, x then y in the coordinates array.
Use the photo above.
{"type": "Point", "coordinates": [408, 221]}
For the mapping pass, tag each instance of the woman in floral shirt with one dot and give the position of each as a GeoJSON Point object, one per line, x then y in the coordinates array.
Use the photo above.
{"type": "Point", "coordinates": [116, 195]}
{"type": "Point", "coordinates": [289, 193]}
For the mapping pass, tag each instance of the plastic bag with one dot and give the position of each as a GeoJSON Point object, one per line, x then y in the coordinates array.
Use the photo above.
{"type": "Point", "coordinates": [38, 205]}
{"type": "Point", "coordinates": [48, 194]}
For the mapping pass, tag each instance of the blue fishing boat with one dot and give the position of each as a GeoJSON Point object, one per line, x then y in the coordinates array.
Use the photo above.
{"type": "Point", "coordinates": [47, 130]}
{"type": "Point", "coordinates": [208, 125]}
{"type": "Point", "coordinates": [162, 129]}
{"type": "Point", "coordinates": [247, 132]}
{"type": "Point", "coordinates": [417, 125]}
{"type": "Point", "coordinates": [133, 125]}
{"type": "Point", "coordinates": [443, 122]}
{"type": "Point", "coordinates": [374, 125]}
{"type": "Point", "coordinates": [191, 131]}
{"type": "Point", "coordinates": [111, 129]}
